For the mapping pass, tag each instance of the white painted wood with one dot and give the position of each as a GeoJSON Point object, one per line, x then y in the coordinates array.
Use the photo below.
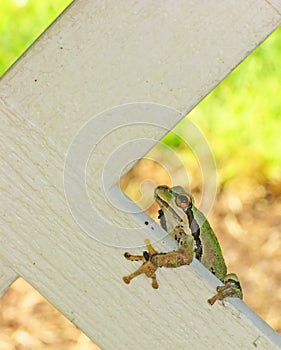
{"type": "Point", "coordinates": [276, 4]}
{"type": "Point", "coordinates": [99, 55]}
{"type": "Point", "coordinates": [7, 277]}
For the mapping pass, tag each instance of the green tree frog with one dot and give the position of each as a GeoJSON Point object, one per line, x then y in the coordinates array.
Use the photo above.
{"type": "Point", "coordinates": [195, 238]}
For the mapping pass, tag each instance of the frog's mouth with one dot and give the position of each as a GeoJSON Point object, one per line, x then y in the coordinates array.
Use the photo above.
{"type": "Point", "coordinates": [163, 196]}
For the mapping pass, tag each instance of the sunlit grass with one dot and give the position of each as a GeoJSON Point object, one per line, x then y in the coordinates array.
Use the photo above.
{"type": "Point", "coordinates": [241, 118]}
{"type": "Point", "coordinates": [21, 22]}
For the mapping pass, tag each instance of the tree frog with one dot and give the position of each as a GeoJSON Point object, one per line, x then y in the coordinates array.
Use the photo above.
{"type": "Point", "coordinates": [195, 238]}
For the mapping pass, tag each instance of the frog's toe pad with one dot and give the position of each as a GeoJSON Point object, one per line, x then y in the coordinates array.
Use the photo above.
{"type": "Point", "coordinates": [126, 279]}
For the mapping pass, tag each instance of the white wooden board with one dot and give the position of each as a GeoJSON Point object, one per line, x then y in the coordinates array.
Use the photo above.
{"type": "Point", "coordinates": [99, 55]}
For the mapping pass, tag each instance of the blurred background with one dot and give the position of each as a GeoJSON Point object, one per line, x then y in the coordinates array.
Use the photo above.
{"type": "Point", "coordinates": [241, 122]}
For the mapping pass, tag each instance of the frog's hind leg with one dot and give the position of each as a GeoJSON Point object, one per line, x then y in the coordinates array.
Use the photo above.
{"type": "Point", "coordinates": [231, 288]}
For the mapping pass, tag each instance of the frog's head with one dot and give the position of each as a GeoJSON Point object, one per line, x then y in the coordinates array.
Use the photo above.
{"type": "Point", "coordinates": [173, 198]}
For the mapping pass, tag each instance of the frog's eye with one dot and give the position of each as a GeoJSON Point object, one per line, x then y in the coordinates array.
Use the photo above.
{"type": "Point", "coordinates": [183, 201]}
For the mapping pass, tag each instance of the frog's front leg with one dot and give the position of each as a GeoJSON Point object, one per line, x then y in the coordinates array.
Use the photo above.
{"type": "Point", "coordinates": [152, 260]}
{"type": "Point", "coordinates": [148, 267]}
{"type": "Point", "coordinates": [231, 288]}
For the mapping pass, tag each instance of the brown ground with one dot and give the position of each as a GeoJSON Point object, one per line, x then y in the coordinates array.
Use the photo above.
{"type": "Point", "coordinates": [247, 221]}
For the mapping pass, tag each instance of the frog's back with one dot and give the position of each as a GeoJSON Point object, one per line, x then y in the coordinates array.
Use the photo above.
{"type": "Point", "coordinates": [212, 257]}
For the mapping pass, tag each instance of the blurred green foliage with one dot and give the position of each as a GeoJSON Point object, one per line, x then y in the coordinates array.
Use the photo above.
{"type": "Point", "coordinates": [21, 22]}
{"type": "Point", "coordinates": [240, 118]}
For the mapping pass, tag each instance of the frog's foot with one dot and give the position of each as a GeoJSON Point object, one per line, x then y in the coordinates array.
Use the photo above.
{"type": "Point", "coordinates": [231, 288]}
{"type": "Point", "coordinates": [148, 268]}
